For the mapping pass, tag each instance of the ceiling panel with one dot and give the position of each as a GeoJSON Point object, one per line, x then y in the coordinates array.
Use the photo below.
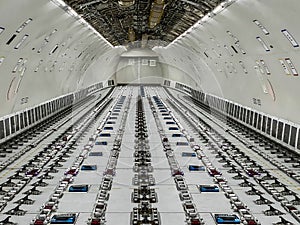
{"type": "Point", "coordinates": [140, 23]}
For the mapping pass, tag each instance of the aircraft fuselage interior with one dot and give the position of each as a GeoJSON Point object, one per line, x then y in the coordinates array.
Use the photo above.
{"type": "Point", "coordinates": [149, 112]}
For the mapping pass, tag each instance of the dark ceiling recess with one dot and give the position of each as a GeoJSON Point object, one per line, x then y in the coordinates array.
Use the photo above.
{"type": "Point", "coordinates": [142, 23]}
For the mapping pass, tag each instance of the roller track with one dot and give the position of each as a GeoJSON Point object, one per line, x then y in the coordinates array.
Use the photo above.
{"type": "Point", "coordinates": [235, 151]}
{"type": "Point", "coordinates": [144, 155]}
{"type": "Point", "coordinates": [283, 158]}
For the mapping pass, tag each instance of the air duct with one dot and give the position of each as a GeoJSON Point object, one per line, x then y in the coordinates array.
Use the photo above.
{"type": "Point", "coordinates": [131, 35]}
{"type": "Point", "coordinates": [144, 40]}
{"type": "Point", "coordinates": [157, 10]}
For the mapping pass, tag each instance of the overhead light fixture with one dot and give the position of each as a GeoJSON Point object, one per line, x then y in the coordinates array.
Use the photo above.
{"type": "Point", "coordinates": [191, 3]}
{"type": "Point", "coordinates": [89, 3]}
{"type": "Point", "coordinates": [126, 3]}
{"type": "Point", "coordinates": [59, 3]}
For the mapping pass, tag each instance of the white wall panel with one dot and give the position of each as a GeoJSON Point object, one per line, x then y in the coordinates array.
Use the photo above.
{"type": "Point", "coordinates": [202, 58]}
{"type": "Point", "coordinates": [221, 72]}
{"type": "Point", "coordinates": [59, 72]}
{"type": "Point", "coordinates": [139, 66]}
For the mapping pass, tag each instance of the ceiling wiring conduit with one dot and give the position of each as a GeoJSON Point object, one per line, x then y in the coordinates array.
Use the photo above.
{"type": "Point", "coordinates": [156, 13]}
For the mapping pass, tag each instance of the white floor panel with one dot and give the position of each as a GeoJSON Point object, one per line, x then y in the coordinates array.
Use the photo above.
{"type": "Point", "coordinates": [168, 202]}
{"type": "Point", "coordinates": [125, 163]}
{"type": "Point", "coordinates": [161, 163]}
{"type": "Point", "coordinates": [77, 202]}
{"type": "Point", "coordinates": [123, 177]}
{"type": "Point", "coordinates": [172, 218]}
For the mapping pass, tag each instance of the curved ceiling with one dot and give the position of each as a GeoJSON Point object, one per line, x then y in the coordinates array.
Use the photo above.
{"type": "Point", "coordinates": [138, 23]}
